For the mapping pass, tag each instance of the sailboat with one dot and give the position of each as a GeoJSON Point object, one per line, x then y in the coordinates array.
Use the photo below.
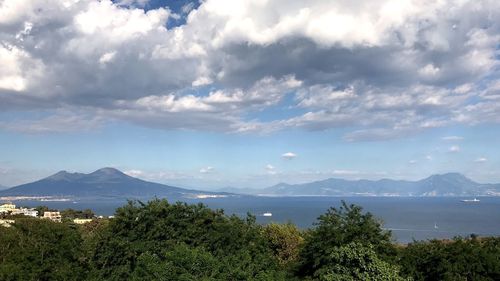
{"type": "Point", "coordinates": [435, 226]}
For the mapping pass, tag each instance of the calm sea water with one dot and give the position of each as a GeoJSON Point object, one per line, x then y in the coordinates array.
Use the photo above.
{"type": "Point", "coordinates": [408, 218]}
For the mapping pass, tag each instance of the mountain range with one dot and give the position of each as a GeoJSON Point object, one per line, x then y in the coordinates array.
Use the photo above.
{"type": "Point", "coordinates": [450, 184]}
{"type": "Point", "coordinates": [105, 182]}
{"type": "Point", "coordinates": [112, 183]}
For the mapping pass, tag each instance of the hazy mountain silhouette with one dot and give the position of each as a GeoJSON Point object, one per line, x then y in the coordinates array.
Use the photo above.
{"type": "Point", "coordinates": [105, 182]}
{"type": "Point", "coordinates": [451, 184]}
{"type": "Point", "coordinates": [110, 182]}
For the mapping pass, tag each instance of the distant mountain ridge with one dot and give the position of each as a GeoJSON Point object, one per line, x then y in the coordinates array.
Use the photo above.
{"type": "Point", "coordinates": [105, 182]}
{"type": "Point", "coordinates": [450, 184]}
{"type": "Point", "coordinates": [112, 183]}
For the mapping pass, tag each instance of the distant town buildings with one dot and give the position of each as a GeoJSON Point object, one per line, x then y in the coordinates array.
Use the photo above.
{"type": "Point", "coordinates": [26, 212]}
{"type": "Point", "coordinates": [53, 216]}
{"type": "Point", "coordinates": [10, 208]}
{"type": "Point", "coordinates": [7, 208]}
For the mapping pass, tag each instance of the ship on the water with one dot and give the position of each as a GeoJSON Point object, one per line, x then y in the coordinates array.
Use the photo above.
{"type": "Point", "coordinates": [471, 200]}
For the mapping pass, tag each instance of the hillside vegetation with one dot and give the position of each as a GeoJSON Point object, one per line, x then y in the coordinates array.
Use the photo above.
{"type": "Point", "coordinates": [163, 241]}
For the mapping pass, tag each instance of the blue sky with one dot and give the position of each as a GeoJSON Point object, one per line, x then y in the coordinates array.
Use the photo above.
{"type": "Point", "coordinates": [250, 93]}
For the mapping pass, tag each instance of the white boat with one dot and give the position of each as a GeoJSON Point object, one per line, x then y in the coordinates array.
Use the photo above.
{"type": "Point", "coordinates": [475, 200]}
{"type": "Point", "coordinates": [267, 214]}
{"type": "Point", "coordinates": [435, 226]}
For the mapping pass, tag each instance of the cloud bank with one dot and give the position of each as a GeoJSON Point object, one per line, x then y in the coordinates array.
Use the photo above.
{"type": "Point", "coordinates": [383, 69]}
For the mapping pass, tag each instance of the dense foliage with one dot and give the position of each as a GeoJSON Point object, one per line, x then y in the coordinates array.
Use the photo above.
{"type": "Point", "coordinates": [142, 238]}
{"type": "Point", "coordinates": [162, 241]}
{"type": "Point", "coordinates": [70, 214]}
{"type": "Point", "coordinates": [356, 261]}
{"type": "Point", "coordinates": [285, 241]}
{"type": "Point", "coordinates": [35, 249]}
{"type": "Point", "coordinates": [339, 227]}
{"type": "Point", "coordinates": [457, 259]}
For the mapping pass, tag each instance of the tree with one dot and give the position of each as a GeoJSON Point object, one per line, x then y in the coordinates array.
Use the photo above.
{"type": "Point", "coordinates": [457, 259]}
{"type": "Point", "coordinates": [180, 263]}
{"type": "Point", "coordinates": [152, 230]}
{"type": "Point", "coordinates": [34, 249]}
{"type": "Point", "coordinates": [71, 214]}
{"type": "Point", "coordinates": [338, 227]}
{"type": "Point", "coordinates": [356, 261]}
{"type": "Point", "coordinates": [285, 241]}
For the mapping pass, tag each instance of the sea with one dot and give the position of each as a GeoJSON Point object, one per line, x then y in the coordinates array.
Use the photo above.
{"type": "Point", "coordinates": [408, 218]}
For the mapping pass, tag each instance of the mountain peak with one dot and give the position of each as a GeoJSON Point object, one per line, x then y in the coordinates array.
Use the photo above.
{"type": "Point", "coordinates": [107, 174]}
{"type": "Point", "coordinates": [105, 183]}
{"type": "Point", "coordinates": [108, 171]}
{"type": "Point", "coordinates": [450, 176]}
{"type": "Point", "coordinates": [63, 175]}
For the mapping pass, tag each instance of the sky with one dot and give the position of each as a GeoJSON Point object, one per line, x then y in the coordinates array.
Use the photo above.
{"type": "Point", "coordinates": [224, 93]}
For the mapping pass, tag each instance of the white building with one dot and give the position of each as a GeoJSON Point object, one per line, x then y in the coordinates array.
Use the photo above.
{"type": "Point", "coordinates": [53, 216]}
{"type": "Point", "coordinates": [31, 212]}
{"type": "Point", "coordinates": [7, 208]}
{"type": "Point", "coordinates": [26, 212]}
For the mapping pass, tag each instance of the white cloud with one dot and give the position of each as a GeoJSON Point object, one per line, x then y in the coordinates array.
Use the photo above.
{"type": "Point", "coordinates": [481, 160]}
{"type": "Point", "coordinates": [188, 7]}
{"type": "Point", "coordinates": [107, 57]}
{"type": "Point", "coordinates": [207, 170]}
{"type": "Point", "coordinates": [103, 18]}
{"type": "Point", "coordinates": [219, 110]}
{"type": "Point", "coordinates": [138, 3]}
{"type": "Point", "coordinates": [61, 122]}
{"type": "Point", "coordinates": [454, 149]}
{"type": "Point", "coordinates": [289, 155]}
{"type": "Point", "coordinates": [429, 71]}
{"type": "Point", "coordinates": [452, 138]}
{"type": "Point", "coordinates": [134, 173]}
{"type": "Point", "coordinates": [345, 172]}
{"type": "Point", "coordinates": [325, 23]}
{"type": "Point", "coordinates": [412, 162]}
{"type": "Point", "coordinates": [387, 68]}
{"type": "Point", "coordinates": [162, 176]}
{"type": "Point", "coordinates": [270, 169]}
{"type": "Point", "coordinates": [18, 67]}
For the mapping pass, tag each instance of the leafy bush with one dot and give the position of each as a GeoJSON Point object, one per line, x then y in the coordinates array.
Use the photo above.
{"type": "Point", "coordinates": [35, 249]}
{"type": "Point", "coordinates": [457, 259]}
{"type": "Point", "coordinates": [339, 227]}
{"type": "Point", "coordinates": [356, 261]}
{"type": "Point", "coordinates": [154, 229]}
